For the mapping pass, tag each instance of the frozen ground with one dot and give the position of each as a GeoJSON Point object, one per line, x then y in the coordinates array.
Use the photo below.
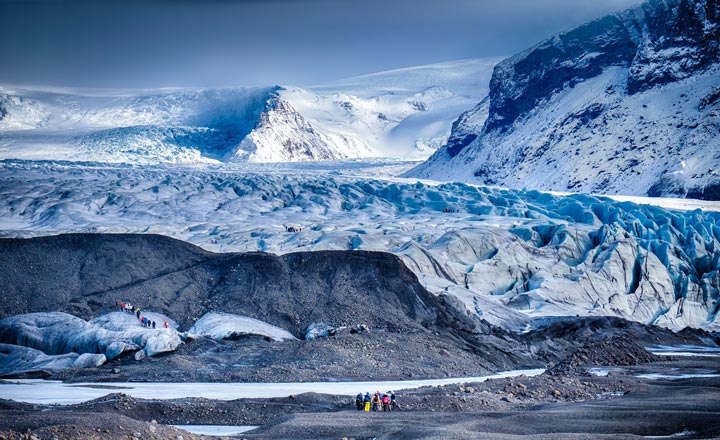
{"type": "Point", "coordinates": [217, 430]}
{"type": "Point", "coordinates": [685, 350]}
{"type": "Point", "coordinates": [54, 392]}
{"type": "Point", "coordinates": [512, 256]}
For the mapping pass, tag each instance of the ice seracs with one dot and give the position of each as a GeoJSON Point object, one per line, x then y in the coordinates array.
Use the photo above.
{"type": "Point", "coordinates": [510, 256]}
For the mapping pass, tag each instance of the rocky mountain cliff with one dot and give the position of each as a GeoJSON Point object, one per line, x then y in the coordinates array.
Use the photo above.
{"type": "Point", "coordinates": [629, 104]}
{"type": "Point", "coordinates": [282, 134]}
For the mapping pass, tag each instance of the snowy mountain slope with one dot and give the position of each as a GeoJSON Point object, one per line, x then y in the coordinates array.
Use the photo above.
{"type": "Point", "coordinates": [627, 104]}
{"type": "Point", "coordinates": [509, 256]}
{"type": "Point", "coordinates": [168, 126]}
{"type": "Point", "coordinates": [405, 113]}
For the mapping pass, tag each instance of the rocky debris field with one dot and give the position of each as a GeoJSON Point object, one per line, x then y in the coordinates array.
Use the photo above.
{"type": "Point", "coordinates": [85, 274]}
{"type": "Point", "coordinates": [387, 355]}
{"type": "Point", "coordinates": [564, 400]}
{"type": "Point", "coordinates": [31, 424]}
{"type": "Point", "coordinates": [613, 351]}
{"type": "Point", "coordinates": [577, 406]}
{"type": "Point", "coordinates": [375, 355]}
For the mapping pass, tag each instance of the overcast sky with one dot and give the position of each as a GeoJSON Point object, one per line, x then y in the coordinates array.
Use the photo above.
{"type": "Point", "coordinates": [162, 43]}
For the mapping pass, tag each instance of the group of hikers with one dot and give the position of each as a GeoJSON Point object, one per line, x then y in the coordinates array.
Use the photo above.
{"type": "Point", "coordinates": [376, 402]}
{"type": "Point", "coordinates": [127, 307]}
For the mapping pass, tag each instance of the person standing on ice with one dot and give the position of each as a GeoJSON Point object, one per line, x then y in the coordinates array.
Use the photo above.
{"type": "Point", "coordinates": [367, 400]}
{"type": "Point", "coordinates": [165, 324]}
{"type": "Point", "coordinates": [359, 402]}
{"type": "Point", "coordinates": [153, 324]}
{"type": "Point", "coordinates": [137, 312]}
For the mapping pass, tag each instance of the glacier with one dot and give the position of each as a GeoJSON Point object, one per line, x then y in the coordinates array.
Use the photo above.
{"type": "Point", "coordinates": [513, 257]}
{"type": "Point", "coordinates": [17, 359]}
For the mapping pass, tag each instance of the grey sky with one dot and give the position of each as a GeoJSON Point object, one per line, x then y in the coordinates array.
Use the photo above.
{"type": "Point", "coordinates": [113, 43]}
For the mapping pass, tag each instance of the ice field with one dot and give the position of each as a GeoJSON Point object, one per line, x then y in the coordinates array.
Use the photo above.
{"type": "Point", "coordinates": [512, 256]}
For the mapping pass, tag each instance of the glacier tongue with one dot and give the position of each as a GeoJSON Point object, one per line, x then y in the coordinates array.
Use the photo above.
{"type": "Point", "coordinates": [509, 255]}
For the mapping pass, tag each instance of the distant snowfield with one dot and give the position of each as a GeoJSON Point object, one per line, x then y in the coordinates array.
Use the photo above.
{"type": "Point", "coordinates": [56, 392]}
{"type": "Point", "coordinates": [511, 256]}
{"type": "Point", "coordinates": [405, 113]}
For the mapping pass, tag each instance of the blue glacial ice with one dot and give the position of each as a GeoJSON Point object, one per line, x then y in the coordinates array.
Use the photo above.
{"type": "Point", "coordinates": [510, 256]}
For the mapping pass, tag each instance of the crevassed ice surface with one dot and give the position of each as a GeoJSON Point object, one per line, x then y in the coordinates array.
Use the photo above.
{"type": "Point", "coordinates": [512, 256]}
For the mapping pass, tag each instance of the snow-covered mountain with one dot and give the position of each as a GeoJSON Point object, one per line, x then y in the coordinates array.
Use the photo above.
{"type": "Point", "coordinates": [404, 113]}
{"type": "Point", "coordinates": [627, 104]}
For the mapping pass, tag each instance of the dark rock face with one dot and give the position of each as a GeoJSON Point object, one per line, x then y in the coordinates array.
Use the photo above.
{"type": "Point", "coordinates": [84, 274]}
{"type": "Point", "coordinates": [680, 37]}
{"type": "Point", "coordinates": [466, 128]}
{"type": "Point", "coordinates": [660, 42]}
{"type": "Point", "coordinates": [627, 104]}
{"type": "Point", "coordinates": [520, 82]}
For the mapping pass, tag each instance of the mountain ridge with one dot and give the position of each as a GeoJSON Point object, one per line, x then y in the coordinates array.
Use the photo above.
{"type": "Point", "coordinates": [627, 104]}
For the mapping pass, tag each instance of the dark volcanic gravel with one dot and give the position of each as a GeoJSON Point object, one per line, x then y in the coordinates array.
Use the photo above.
{"type": "Point", "coordinates": [544, 406]}
{"type": "Point", "coordinates": [617, 350]}
{"type": "Point", "coordinates": [381, 354]}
